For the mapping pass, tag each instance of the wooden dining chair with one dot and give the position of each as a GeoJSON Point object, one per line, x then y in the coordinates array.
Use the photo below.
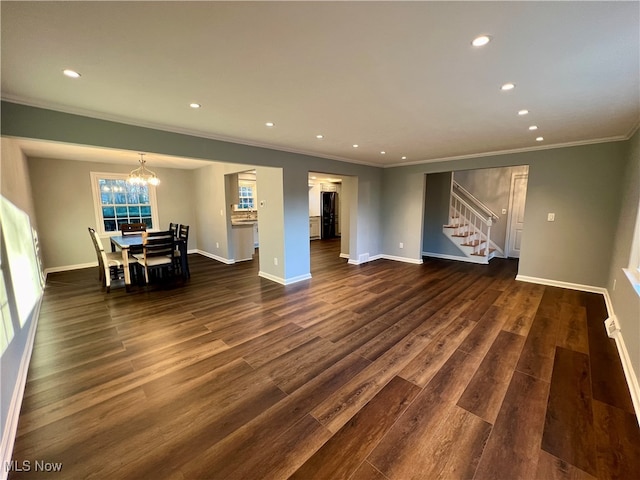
{"type": "Point", "coordinates": [157, 252]}
{"type": "Point", "coordinates": [181, 252]}
{"type": "Point", "coordinates": [110, 264]}
{"type": "Point", "coordinates": [132, 228]}
{"type": "Point", "coordinates": [174, 228]}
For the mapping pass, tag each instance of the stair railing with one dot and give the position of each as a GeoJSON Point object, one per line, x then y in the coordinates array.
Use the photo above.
{"type": "Point", "coordinates": [479, 205]}
{"type": "Point", "coordinates": [471, 221]}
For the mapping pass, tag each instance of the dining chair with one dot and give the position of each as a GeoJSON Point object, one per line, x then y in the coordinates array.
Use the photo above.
{"type": "Point", "coordinates": [174, 228]}
{"type": "Point", "coordinates": [181, 252]}
{"type": "Point", "coordinates": [157, 252]}
{"type": "Point", "coordinates": [132, 228]}
{"type": "Point", "coordinates": [110, 264]}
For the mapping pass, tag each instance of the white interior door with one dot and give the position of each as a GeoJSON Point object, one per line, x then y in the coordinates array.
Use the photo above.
{"type": "Point", "coordinates": [516, 214]}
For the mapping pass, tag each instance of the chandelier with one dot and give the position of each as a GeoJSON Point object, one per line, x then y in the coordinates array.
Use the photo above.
{"type": "Point", "coordinates": [142, 175]}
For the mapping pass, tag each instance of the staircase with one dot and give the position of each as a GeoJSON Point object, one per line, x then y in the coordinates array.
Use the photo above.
{"type": "Point", "coordinates": [469, 226]}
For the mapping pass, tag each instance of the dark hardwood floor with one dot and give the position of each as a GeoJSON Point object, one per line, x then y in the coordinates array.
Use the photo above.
{"type": "Point", "coordinates": [380, 371]}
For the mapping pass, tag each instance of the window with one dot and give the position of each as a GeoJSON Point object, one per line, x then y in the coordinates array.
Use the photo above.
{"type": "Point", "coordinates": [116, 202]}
{"type": "Point", "coordinates": [633, 272]}
{"type": "Point", "coordinates": [246, 196]}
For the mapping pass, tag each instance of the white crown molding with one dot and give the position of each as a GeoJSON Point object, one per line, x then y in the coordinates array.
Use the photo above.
{"type": "Point", "coordinates": [173, 129]}
{"type": "Point", "coordinates": [197, 133]}
{"type": "Point", "coordinates": [618, 138]}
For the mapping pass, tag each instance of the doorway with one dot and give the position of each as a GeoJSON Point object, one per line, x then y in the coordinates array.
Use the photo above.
{"type": "Point", "coordinates": [515, 220]}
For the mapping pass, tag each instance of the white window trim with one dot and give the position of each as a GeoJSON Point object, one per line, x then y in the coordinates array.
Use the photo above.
{"type": "Point", "coordinates": [252, 185]}
{"type": "Point", "coordinates": [97, 200]}
{"type": "Point", "coordinates": [633, 272]}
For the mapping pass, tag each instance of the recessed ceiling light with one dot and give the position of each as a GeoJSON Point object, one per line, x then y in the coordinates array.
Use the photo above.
{"type": "Point", "coordinates": [382, 152]}
{"type": "Point", "coordinates": [539, 139]}
{"type": "Point", "coordinates": [195, 105]}
{"type": "Point", "coordinates": [533, 127]}
{"type": "Point", "coordinates": [481, 40]}
{"type": "Point", "coordinates": [404, 158]}
{"type": "Point", "coordinates": [355, 145]}
{"type": "Point", "coordinates": [270, 124]}
{"type": "Point", "coordinates": [319, 136]}
{"type": "Point", "coordinates": [523, 112]}
{"type": "Point", "coordinates": [71, 73]}
{"type": "Point", "coordinates": [508, 86]}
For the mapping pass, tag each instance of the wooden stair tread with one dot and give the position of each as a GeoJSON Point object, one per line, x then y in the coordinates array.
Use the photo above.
{"type": "Point", "coordinates": [474, 243]}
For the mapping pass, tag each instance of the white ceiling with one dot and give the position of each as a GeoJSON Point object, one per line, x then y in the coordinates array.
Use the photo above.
{"type": "Point", "coordinates": [399, 77]}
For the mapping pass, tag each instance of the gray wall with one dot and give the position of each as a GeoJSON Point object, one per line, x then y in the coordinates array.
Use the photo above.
{"type": "Point", "coordinates": [64, 205]}
{"type": "Point", "coordinates": [581, 185]}
{"type": "Point", "coordinates": [626, 302]}
{"type": "Point", "coordinates": [15, 187]}
{"type": "Point", "coordinates": [32, 122]}
{"type": "Point", "coordinates": [436, 214]}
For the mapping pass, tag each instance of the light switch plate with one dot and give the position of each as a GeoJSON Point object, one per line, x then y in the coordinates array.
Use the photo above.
{"type": "Point", "coordinates": [551, 217]}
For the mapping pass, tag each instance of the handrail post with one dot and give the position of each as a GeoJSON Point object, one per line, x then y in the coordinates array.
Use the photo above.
{"type": "Point", "coordinates": [486, 246]}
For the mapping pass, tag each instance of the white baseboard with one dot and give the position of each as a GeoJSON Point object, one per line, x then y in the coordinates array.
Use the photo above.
{"type": "Point", "coordinates": [214, 257]}
{"type": "Point", "coordinates": [66, 268]}
{"type": "Point", "coordinates": [365, 258]}
{"type": "Point", "coordinates": [344, 255]}
{"type": "Point", "coordinates": [568, 285]}
{"type": "Point", "coordinates": [612, 328]}
{"type": "Point", "coordinates": [10, 429]}
{"type": "Point", "coordinates": [614, 332]}
{"type": "Point", "coordinates": [480, 260]}
{"type": "Point", "coordinates": [415, 261]}
{"type": "Point", "coordinates": [284, 281]}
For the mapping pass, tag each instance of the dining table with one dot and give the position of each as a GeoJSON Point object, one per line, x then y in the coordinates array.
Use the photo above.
{"type": "Point", "coordinates": [126, 242]}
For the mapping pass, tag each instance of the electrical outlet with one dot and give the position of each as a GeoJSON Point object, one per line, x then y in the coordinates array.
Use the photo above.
{"type": "Point", "coordinates": [217, 244]}
{"type": "Point", "coordinates": [614, 283]}
{"type": "Point", "coordinates": [401, 245]}
{"type": "Point", "coordinates": [551, 217]}
{"type": "Point", "coordinates": [504, 211]}
{"type": "Point", "coordinates": [275, 260]}
{"type": "Point", "coordinates": [221, 213]}
{"type": "Point", "coordinates": [611, 325]}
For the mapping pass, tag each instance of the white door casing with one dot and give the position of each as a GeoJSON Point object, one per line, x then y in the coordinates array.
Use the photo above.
{"type": "Point", "coordinates": [515, 222]}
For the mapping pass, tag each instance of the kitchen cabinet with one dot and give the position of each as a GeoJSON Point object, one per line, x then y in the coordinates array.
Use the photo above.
{"type": "Point", "coordinates": [243, 248]}
{"type": "Point", "coordinates": [234, 192]}
{"type": "Point", "coordinates": [314, 228]}
{"type": "Point", "coordinates": [256, 240]}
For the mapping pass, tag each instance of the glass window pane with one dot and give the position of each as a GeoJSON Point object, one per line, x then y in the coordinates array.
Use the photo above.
{"type": "Point", "coordinates": [121, 202]}
{"type": "Point", "coordinates": [120, 197]}
{"type": "Point", "coordinates": [108, 212]}
{"type": "Point", "coordinates": [133, 196]}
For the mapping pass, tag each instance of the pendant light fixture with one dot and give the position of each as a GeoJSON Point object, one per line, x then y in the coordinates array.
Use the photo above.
{"type": "Point", "coordinates": [142, 175]}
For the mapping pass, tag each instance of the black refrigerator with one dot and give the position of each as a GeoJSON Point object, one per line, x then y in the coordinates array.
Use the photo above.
{"type": "Point", "coordinates": [329, 205]}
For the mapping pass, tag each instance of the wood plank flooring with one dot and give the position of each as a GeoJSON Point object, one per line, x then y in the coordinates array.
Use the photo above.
{"type": "Point", "coordinates": [383, 371]}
